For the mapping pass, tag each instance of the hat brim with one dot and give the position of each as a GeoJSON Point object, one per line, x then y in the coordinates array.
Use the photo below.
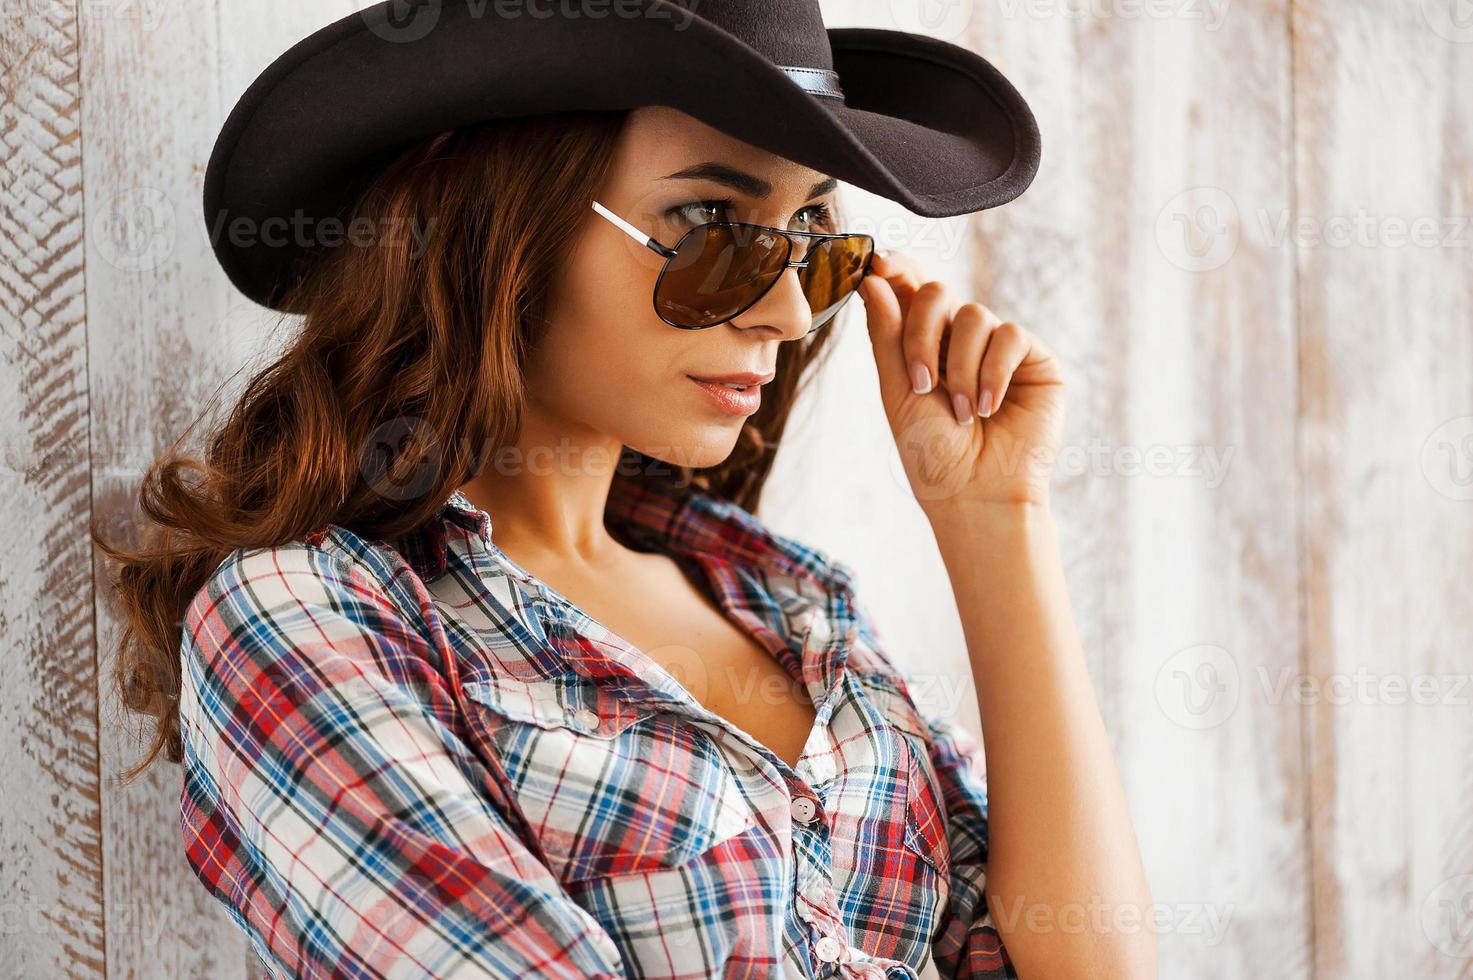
{"type": "Point", "coordinates": [925, 123]}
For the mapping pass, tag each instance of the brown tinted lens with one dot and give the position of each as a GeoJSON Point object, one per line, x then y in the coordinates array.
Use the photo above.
{"type": "Point", "coordinates": [835, 268]}
{"type": "Point", "coordinates": [718, 271]}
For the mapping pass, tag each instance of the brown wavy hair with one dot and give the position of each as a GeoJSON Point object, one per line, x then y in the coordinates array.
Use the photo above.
{"type": "Point", "coordinates": [435, 329]}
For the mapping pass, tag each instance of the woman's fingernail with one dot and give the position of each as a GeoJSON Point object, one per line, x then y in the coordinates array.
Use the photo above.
{"type": "Point", "coordinates": [984, 403]}
{"type": "Point", "coordinates": [920, 378]}
{"type": "Point", "coordinates": [963, 408]}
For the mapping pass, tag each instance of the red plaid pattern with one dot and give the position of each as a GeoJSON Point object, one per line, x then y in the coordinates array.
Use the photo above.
{"type": "Point", "coordinates": [413, 758]}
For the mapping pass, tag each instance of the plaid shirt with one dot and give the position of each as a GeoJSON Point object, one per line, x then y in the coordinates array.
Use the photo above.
{"type": "Point", "coordinates": [413, 758]}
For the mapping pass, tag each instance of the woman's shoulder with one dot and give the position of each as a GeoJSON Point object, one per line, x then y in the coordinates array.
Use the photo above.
{"type": "Point", "coordinates": [331, 571]}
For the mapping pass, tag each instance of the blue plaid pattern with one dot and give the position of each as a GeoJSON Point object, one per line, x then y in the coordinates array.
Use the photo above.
{"type": "Point", "coordinates": [413, 758]}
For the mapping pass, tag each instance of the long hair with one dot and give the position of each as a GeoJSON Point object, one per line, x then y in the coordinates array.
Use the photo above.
{"type": "Point", "coordinates": [407, 366]}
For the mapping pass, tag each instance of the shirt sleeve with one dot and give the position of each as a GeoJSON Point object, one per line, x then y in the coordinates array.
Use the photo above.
{"type": "Point", "coordinates": [967, 945]}
{"type": "Point", "coordinates": [327, 802]}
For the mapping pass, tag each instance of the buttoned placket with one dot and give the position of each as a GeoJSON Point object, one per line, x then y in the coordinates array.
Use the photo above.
{"type": "Point", "coordinates": [643, 681]}
{"type": "Point", "coordinates": [815, 903]}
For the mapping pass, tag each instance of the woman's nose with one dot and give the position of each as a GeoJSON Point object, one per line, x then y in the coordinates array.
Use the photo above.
{"type": "Point", "coordinates": [783, 308]}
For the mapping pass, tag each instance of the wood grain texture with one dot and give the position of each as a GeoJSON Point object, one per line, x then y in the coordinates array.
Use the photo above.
{"type": "Point", "coordinates": [171, 340]}
{"type": "Point", "coordinates": [1266, 491]}
{"type": "Point", "coordinates": [1175, 489]}
{"type": "Point", "coordinates": [152, 304]}
{"type": "Point", "coordinates": [1385, 181]}
{"type": "Point", "coordinates": [51, 855]}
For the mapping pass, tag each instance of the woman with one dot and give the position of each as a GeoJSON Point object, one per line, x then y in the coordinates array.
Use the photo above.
{"type": "Point", "coordinates": [476, 658]}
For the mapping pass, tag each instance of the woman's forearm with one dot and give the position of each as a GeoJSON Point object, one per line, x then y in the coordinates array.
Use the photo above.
{"type": "Point", "coordinates": [1065, 882]}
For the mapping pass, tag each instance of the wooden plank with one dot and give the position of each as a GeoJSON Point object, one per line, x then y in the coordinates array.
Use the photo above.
{"type": "Point", "coordinates": [167, 330]}
{"type": "Point", "coordinates": [1385, 178]}
{"type": "Point", "coordinates": [50, 816]}
{"type": "Point", "coordinates": [149, 93]}
{"type": "Point", "coordinates": [1155, 256]}
{"type": "Point", "coordinates": [1175, 490]}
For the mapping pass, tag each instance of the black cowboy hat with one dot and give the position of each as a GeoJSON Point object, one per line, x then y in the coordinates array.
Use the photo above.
{"type": "Point", "coordinates": [916, 120]}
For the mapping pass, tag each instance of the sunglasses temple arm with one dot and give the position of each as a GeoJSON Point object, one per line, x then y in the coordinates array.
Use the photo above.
{"type": "Point", "coordinates": [632, 231]}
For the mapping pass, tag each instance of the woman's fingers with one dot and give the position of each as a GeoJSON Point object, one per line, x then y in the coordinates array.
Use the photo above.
{"type": "Point", "coordinates": [922, 334]}
{"type": "Point", "coordinates": [901, 271]}
{"type": "Point", "coordinates": [925, 323]}
{"type": "Point", "coordinates": [1007, 346]}
{"type": "Point", "coordinates": [968, 339]}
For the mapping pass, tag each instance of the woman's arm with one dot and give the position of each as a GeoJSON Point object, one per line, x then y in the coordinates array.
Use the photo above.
{"type": "Point", "coordinates": [976, 406]}
{"type": "Point", "coordinates": [1065, 883]}
{"type": "Point", "coordinates": [328, 802]}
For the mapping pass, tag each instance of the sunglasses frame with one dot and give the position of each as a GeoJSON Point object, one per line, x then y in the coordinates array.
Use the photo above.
{"type": "Point", "coordinates": [669, 252]}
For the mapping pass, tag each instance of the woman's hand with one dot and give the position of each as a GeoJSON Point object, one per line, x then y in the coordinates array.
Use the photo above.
{"type": "Point", "coordinates": [1000, 377]}
{"type": "Point", "coordinates": [1062, 840]}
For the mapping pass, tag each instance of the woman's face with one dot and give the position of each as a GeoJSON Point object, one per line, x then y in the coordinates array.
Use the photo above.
{"type": "Point", "coordinates": [609, 366]}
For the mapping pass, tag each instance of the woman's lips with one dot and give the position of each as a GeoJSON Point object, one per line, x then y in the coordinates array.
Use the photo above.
{"type": "Point", "coordinates": [729, 400]}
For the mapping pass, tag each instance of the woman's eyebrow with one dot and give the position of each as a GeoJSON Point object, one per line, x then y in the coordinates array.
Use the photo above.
{"type": "Point", "coordinates": [740, 180]}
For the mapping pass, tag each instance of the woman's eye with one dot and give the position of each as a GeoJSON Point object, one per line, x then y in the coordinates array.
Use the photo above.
{"type": "Point", "coordinates": [821, 216]}
{"type": "Point", "coordinates": [700, 212]}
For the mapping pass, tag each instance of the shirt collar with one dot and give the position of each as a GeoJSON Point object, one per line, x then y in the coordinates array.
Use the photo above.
{"type": "Point", "coordinates": [806, 598]}
{"type": "Point", "coordinates": [659, 515]}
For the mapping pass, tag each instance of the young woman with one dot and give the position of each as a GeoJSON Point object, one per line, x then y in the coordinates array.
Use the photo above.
{"type": "Point", "coordinates": [476, 658]}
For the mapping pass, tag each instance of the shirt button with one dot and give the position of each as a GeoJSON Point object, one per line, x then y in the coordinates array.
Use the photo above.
{"type": "Point", "coordinates": [815, 892]}
{"type": "Point", "coordinates": [803, 809]}
{"type": "Point", "coordinates": [586, 717]}
{"type": "Point", "coordinates": [827, 948]}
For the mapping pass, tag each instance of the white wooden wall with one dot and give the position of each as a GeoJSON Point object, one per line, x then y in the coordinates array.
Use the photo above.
{"type": "Point", "coordinates": [1250, 242]}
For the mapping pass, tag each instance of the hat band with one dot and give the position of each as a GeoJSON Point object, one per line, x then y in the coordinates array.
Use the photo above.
{"type": "Point", "coordinates": [816, 81]}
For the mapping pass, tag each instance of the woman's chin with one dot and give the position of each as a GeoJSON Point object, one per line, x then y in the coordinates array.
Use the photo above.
{"type": "Point", "coordinates": [707, 445]}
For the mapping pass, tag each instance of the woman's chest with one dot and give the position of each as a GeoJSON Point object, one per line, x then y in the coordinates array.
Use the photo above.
{"type": "Point", "coordinates": [728, 660]}
{"type": "Point", "coordinates": [674, 824]}
{"type": "Point", "coordinates": [675, 831]}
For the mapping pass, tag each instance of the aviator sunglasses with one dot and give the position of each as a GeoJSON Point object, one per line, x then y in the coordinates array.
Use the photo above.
{"type": "Point", "coordinates": [721, 268]}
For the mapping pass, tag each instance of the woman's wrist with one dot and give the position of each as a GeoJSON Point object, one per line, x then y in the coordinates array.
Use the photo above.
{"type": "Point", "coordinates": [991, 525]}
{"type": "Point", "coordinates": [991, 549]}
